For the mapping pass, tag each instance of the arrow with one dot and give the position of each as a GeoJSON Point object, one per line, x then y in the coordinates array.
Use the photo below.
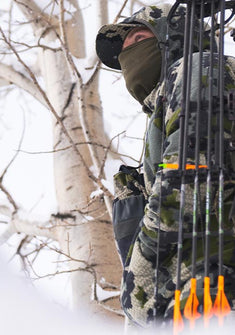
{"type": "Point", "coordinates": [221, 306]}
{"type": "Point", "coordinates": [208, 309]}
{"type": "Point", "coordinates": [191, 306]}
{"type": "Point", "coordinates": [177, 317]}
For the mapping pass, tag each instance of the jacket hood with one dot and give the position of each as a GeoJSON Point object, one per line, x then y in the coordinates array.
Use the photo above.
{"type": "Point", "coordinates": [110, 37]}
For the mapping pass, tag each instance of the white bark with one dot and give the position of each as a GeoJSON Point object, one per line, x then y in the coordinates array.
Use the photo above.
{"type": "Point", "coordinates": [88, 240]}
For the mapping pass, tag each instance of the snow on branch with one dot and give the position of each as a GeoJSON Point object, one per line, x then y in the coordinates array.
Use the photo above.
{"type": "Point", "coordinates": [28, 227]}
{"type": "Point", "coordinates": [11, 76]}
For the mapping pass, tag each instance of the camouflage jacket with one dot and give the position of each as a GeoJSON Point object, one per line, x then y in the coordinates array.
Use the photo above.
{"type": "Point", "coordinates": [160, 198]}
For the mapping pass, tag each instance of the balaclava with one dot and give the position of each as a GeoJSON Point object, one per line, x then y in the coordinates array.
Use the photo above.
{"type": "Point", "coordinates": [141, 67]}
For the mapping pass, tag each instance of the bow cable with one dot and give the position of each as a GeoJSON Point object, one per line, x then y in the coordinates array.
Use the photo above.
{"type": "Point", "coordinates": [184, 118]}
{"type": "Point", "coordinates": [207, 301]}
{"type": "Point", "coordinates": [160, 193]}
{"type": "Point", "coordinates": [192, 303]}
{"type": "Point", "coordinates": [221, 306]}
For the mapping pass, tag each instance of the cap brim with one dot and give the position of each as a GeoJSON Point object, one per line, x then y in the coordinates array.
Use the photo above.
{"type": "Point", "coordinates": [109, 42]}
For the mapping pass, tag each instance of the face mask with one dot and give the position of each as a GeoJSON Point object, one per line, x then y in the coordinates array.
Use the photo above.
{"type": "Point", "coordinates": [141, 67]}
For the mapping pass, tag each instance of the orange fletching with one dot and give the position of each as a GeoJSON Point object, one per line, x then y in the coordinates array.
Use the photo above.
{"type": "Point", "coordinates": [191, 306]}
{"type": "Point", "coordinates": [177, 318]}
{"type": "Point", "coordinates": [208, 309]}
{"type": "Point", "coordinates": [221, 306]}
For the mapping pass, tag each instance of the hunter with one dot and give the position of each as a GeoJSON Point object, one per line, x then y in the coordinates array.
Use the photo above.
{"type": "Point", "coordinates": [145, 207]}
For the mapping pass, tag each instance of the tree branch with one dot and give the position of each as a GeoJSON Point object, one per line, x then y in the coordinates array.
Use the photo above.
{"type": "Point", "coordinates": [64, 43]}
{"type": "Point", "coordinates": [35, 228]}
{"type": "Point", "coordinates": [120, 12]}
{"type": "Point", "coordinates": [39, 20]}
{"type": "Point", "coordinates": [45, 97]}
{"type": "Point", "coordinates": [9, 197]}
{"type": "Point", "coordinates": [12, 76]}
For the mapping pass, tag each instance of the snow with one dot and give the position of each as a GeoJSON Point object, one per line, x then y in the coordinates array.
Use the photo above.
{"type": "Point", "coordinates": [96, 193]}
{"type": "Point", "coordinates": [108, 184]}
{"type": "Point", "coordinates": [23, 309]}
{"type": "Point", "coordinates": [87, 218]}
{"type": "Point", "coordinates": [103, 294]}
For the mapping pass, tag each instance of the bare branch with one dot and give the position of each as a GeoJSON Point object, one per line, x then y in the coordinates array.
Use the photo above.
{"type": "Point", "coordinates": [35, 228]}
{"type": "Point", "coordinates": [120, 12]}
{"type": "Point", "coordinates": [29, 227]}
{"type": "Point", "coordinates": [15, 155]}
{"type": "Point", "coordinates": [38, 18]}
{"type": "Point", "coordinates": [60, 272]}
{"type": "Point", "coordinates": [3, 188]}
{"type": "Point", "coordinates": [84, 265]}
{"type": "Point", "coordinates": [64, 43]}
{"type": "Point", "coordinates": [9, 197]}
{"type": "Point", "coordinates": [25, 241]}
{"type": "Point", "coordinates": [38, 45]}
{"type": "Point", "coordinates": [65, 131]}
{"type": "Point", "coordinates": [20, 80]}
{"type": "Point", "coordinates": [10, 20]}
{"type": "Point", "coordinates": [111, 309]}
{"type": "Point", "coordinates": [106, 148]}
{"type": "Point", "coordinates": [102, 6]}
{"type": "Point", "coordinates": [81, 94]}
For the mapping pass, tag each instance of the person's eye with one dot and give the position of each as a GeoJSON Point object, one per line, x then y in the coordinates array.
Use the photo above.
{"type": "Point", "coordinates": [139, 37]}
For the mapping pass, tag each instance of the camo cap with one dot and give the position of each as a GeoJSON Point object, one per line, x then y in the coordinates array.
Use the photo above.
{"type": "Point", "coordinates": [110, 38]}
{"type": "Point", "coordinates": [109, 42]}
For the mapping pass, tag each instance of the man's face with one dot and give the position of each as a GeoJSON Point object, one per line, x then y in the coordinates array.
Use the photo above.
{"type": "Point", "coordinates": [136, 35]}
{"type": "Point", "coordinates": [140, 61]}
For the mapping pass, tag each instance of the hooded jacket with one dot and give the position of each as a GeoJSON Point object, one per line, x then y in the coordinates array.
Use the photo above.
{"type": "Point", "coordinates": [161, 195]}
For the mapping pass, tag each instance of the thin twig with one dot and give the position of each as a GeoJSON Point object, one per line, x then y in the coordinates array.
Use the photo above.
{"type": "Point", "coordinates": [16, 153]}
{"type": "Point", "coordinates": [107, 150]}
{"type": "Point", "coordinates": [9, 197]}
{"type": "Point", "coordinates": [64, 43]}
{"type": "Point", "coordinates": [65, 131]}
{"type": "Point", "coordinates": [39, 45]}
{"type": "Point", "coordinates": [120, 12]}
{"type": "Point", "coordinates": [111, 309]}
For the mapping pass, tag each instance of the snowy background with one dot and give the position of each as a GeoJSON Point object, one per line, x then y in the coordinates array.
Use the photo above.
{"type": "Point", "coordinates": [22, 308]}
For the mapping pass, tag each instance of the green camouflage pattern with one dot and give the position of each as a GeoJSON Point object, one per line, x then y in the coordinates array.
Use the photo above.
{"type": "Point", "coordinates": [163, 187]}
{"type": "Point", "coordinates": [128, 184]}
{"type": "Point", "coordinates": [110, 37]}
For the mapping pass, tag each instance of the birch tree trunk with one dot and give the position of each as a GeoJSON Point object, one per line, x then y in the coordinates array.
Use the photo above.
{"type": "Point", "coordinates": [90, 239]}
{"type": "Point", "coordinates": [83, 226]}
